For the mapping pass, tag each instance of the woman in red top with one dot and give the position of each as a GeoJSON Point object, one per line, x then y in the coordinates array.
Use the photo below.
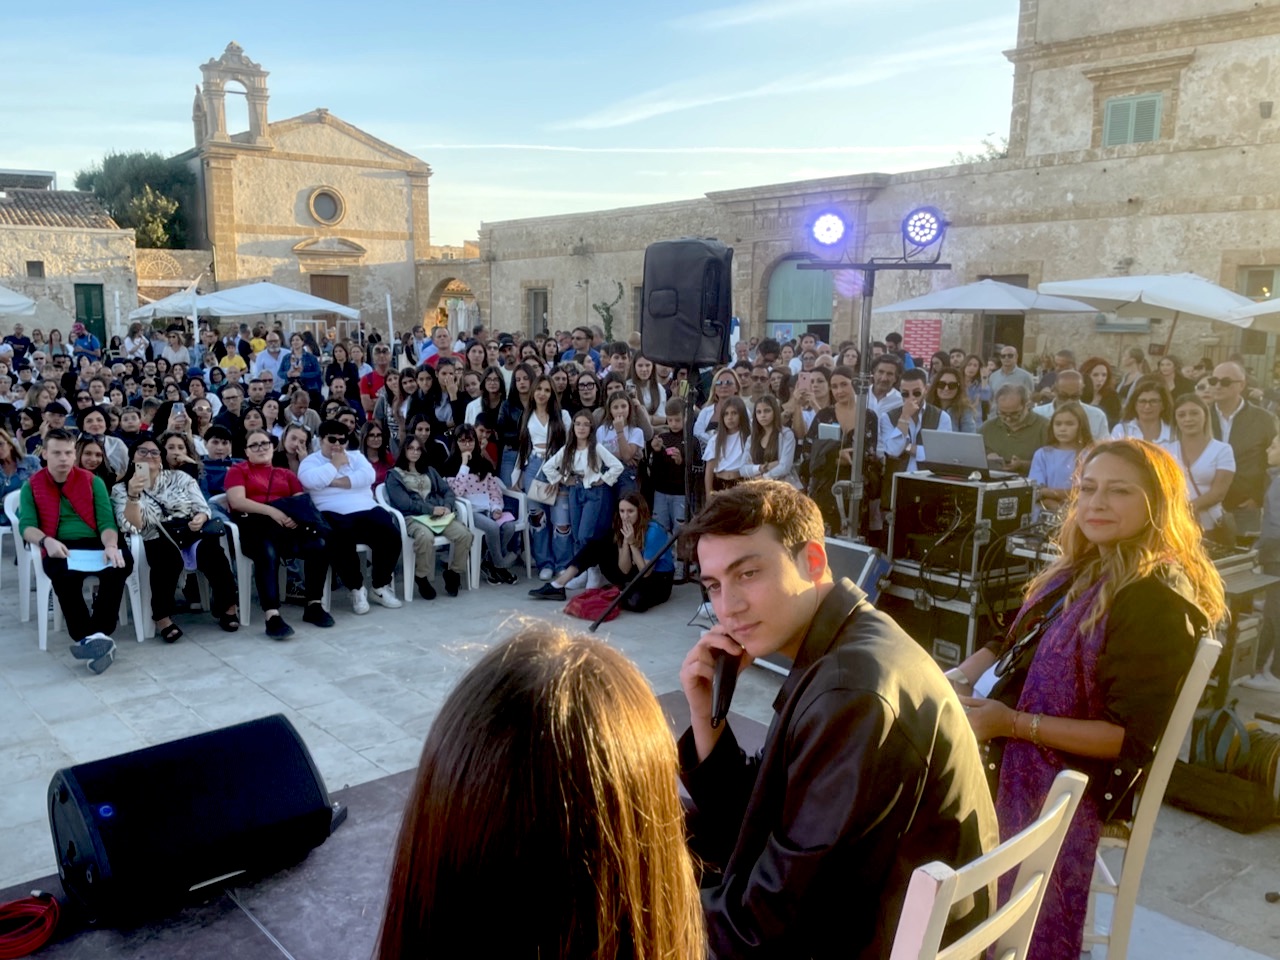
{"type": "Point", "coordinates": [268, 534]}
{"type": "Point", "coordinates": [373, 444]}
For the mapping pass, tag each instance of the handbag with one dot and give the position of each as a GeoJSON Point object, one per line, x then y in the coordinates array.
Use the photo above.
{"type": "Point", "coordinates": [590, 604]}
{"type": "Point", "coordinates": [179, 531]}
{"type": "Point", "coordinates": [543, 491]}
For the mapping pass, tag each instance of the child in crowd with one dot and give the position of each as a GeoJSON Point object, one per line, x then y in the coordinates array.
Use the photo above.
{"type": "Point", "coordinates": [728, 450]}
{"type": "Point", "coordinates": [667, 472]}
{"type": "Point", "coordinates": [218, 460]}
{"type": "Point", "coordinates": [1054, 464]}
{"type": "Point", "coordinates": [622, 440]}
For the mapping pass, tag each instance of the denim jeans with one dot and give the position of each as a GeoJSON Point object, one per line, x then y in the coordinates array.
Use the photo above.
{"type": "Point", "coordinates": [590, 513]}
{"type": "Point", "coordinates": [669, 509]}
{"type": "Point", "coordinates": [493, 537]}
{"type": "Point", "coordinates": [539, 524]}
{"type": "Point", "coordinates": [561, 528]}
{"type": "Point", "coordinates": [626, 483]}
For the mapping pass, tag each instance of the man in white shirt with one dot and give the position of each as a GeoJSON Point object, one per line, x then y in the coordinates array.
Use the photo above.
{"type": "Point", "coordinates": [267, 362]}
{"type": "Point", "coordinates": [1010, 372]}
{"type": "Point", "coordinates": [902, 444]}
{"type": "Point", "coordinates": [884, 395]}
{"type": "Point", "coordinates": [1069, 385]}
{"type": "Point", "coordinates": [808, 343]}
{"type": "Point", "coordinates": [340, 482]}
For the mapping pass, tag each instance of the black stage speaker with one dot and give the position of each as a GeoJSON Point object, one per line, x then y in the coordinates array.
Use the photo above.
{"type": "Point", "coordinates": [687, 302]}
{"type": "Point", "coordinates": [134, 834]}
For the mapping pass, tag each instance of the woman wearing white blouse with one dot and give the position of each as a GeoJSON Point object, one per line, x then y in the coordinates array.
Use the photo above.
{"type": "Point", "coordinates": [772, 450]}
{"type": "Point", "coordinates": [587, 471]}
{"type": "Point", "coordinates": [1148, 414]}
{"type": "Point", "coordinates": [728, 453]}
{"type": "Point", "coordinates": [1208, 464]}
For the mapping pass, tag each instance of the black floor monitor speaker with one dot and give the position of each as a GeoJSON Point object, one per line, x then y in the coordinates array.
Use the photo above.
{"type": "Point", "coordinates": [687, 302]}
{"type": "Point", "coordinates": [135, 834]}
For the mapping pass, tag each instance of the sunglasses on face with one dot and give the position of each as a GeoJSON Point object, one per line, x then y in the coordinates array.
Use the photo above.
{"type": "Point", "coordinates": [1008, 356]}
{"type": "Point", "coordinates": [725, 383]}
{"type": "Point", "coordinates": [335, 440]}
{"type": "Point", "coordinates": [1221, 381]}
{"type": "Point", "coordinates": [916, 394]}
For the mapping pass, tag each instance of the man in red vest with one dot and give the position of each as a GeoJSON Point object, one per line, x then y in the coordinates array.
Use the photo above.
{"type": "Point", "coordinates": [65, 512]}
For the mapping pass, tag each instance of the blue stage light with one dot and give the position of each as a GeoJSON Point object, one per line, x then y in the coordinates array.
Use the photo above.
{"type": "Point", "coordinates": [828, 229]}
{"type": "Point", "coordinates": [923, 226]}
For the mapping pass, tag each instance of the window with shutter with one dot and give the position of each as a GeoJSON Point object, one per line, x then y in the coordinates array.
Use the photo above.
{"type": "Point", "coordinates": [1132, 120]}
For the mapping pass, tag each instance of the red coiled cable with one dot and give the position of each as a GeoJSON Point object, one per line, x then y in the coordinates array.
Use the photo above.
{"type": "Point", "coordinates": [27, 925]}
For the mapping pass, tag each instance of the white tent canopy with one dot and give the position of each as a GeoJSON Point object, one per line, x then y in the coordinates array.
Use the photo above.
{"type": "Point", "coordinates": [988, 296]}
{"type": "Point", "coordinates": [1159, 296]}
{"type": "Point", "coordinates": [255, 298]}
{"type": "Point", "coordinates": [249, 300]}
{"type": "Point", "coordinates": [13, 304]}
{"type": "Point", "coordinates": [1263, 316]}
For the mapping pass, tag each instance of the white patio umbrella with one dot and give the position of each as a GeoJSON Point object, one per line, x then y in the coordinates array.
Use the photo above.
{"type": "Point", "coordinates": [178, 304]}
{"type": "Point", "coordinates": [1156, 296]}
{"type": "Point", "coordinates": [255, 298]}
{"type": "Point", "coordinates": [988, 296]}
{"type": "Point", "coordinates": [1263, 316]}
{"type": "Point", "coordinates": [14, 304]}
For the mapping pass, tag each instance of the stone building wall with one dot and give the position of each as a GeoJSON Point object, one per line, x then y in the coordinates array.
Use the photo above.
{"type": "Point", "coordinates": [71, 255]}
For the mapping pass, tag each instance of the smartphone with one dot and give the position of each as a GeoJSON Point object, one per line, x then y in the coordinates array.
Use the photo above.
{"type": "Point", "coordinates": [803, 380]}
{"type": "Point", "coordinates": [830, 431]}
{"type": "Point", "coordinates": [143, 470]}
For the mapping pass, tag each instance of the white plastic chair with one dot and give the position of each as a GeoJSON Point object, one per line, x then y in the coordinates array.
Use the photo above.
{"type": "Point", "coordinates": [935, 888]}
{"type": "Point", "coordinates": [24, 559]}
{"type": "Point", "coordinates": [522, 525]}
{"type": "Point", "coordinates": [407, 556]}
{"type": "Point", "coordinates": [242, 565]}
{"type": "Point", "coordinates": [31, 560]}
{"type": "Point", "coordinates": [1133, 837]}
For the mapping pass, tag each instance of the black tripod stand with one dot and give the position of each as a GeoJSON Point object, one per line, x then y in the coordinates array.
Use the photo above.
{"type": "Point", "coordinates": [692, 500]}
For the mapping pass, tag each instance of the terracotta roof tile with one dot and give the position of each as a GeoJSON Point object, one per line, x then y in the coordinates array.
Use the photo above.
{"type": "Point", "coordinates": [53, 208]}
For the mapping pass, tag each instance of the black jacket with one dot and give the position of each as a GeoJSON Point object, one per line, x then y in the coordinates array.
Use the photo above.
{"type": "Point", "coordinates": [869, 770]}
{"type": "Point", "coordinates": [1251, 433]}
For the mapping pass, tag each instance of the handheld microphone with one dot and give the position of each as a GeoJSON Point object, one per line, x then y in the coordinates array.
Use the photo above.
{"type": "Point", "coordinates": [723, 681]}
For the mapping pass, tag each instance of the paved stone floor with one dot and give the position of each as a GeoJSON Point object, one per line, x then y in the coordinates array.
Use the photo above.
{"type": "Point", "coordinates": [363, 695]}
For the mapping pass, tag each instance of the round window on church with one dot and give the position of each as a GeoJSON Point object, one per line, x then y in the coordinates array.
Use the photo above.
{"type": "Point", "coordinates": [326, 205]}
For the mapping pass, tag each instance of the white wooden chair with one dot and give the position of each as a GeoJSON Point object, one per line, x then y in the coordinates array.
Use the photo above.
{"type": "Point", "coordinates": [407, 557]}
{"type": "Point", "coordinates": [522, 525]}
{"type": "Point", "coordinates": [24, 560]}
{"type": "Point", "coordinates": [1133, 837]}
{"type": "Point", "coordinates": [30, 559]}
{"type": "Point", "coordinates": [936, 887]}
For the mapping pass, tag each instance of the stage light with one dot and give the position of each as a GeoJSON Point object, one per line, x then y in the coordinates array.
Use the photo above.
{"type": "Point", "coordinates": [828, 229]}
{"type": "Point", "coordinates": [922, 227]}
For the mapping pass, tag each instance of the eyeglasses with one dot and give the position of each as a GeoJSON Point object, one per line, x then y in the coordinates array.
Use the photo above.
{"type": "Point", "coordinates": [335, 439]}
{"type": "Point", "coordinates": [466, 440]}
{"type": "Point", "coordinates": [1147, 401]}
{"type": "Point", "coordinates": [759, 379]}
{"type": "Point", "coordinates": [146, 453]}
{"type": "Point", "coordinates": [260, 445]}
{"type": "Point", "coordinates": [588, 385]}
{"type": "Point", "coordinates": [948, 385]}
{"type": "Point", "coordinates": [1222, 381]}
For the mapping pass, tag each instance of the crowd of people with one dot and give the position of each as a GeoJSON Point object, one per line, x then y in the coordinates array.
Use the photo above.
{"type": "Point", "coordinates": [290, 439]}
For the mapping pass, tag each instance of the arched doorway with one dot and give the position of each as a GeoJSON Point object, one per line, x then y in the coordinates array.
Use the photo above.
{"type": "Point", "coordinates": [451, 303]}
{"type": "Point", "coordinates": [799, 301]}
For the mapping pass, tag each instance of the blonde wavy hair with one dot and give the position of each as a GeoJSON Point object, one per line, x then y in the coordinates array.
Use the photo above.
{"type": "Point", "coordinates": [1171, 536]}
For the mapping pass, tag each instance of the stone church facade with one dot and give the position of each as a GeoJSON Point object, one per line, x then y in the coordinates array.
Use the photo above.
{"type": "Point", "coordinates": [1142, 140]}
{"type": "Point", "coordinates": [311, 202]}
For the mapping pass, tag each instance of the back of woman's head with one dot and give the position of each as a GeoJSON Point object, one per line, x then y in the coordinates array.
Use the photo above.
{"type": "Point", "coordinates": [547, 785]}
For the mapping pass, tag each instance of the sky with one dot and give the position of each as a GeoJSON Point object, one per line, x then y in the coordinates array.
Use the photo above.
{"type": "Point", "coordinates": [526, 109]}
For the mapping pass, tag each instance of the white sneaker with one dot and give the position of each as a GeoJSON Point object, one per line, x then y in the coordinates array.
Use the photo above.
{"type": "Point", "coordinates": [596, 579]}
{"type": "Point", "coordinates": [360, 600]}
{"type": "Point", "coordinates": [385, 596]}
{"type": "Point", "coordinates": [578, 582]}
{"type": "Point", "coordinates": [546, 573]}
{"type": "Point", "coordinates": [1266, 682]}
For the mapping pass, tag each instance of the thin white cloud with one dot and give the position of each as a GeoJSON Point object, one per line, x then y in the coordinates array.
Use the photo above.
{"type": "Point", "coordinates": [947, 148]}
{"type": "Point", "coordinates": [761, 11]}
{"type": "Point", "coordinates": [975, 43]}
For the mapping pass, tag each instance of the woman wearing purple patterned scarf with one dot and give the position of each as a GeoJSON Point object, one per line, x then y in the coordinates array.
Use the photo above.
{"type": "Point", "coordinates": [1088, 675]}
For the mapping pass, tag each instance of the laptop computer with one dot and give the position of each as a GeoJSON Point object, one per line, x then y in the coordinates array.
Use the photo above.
{"type": "Point", "coordinates": [958, 455]}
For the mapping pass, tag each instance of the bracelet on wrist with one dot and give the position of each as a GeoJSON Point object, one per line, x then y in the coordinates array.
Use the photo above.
{"type": "Point", "coordinates": [1035, 729]}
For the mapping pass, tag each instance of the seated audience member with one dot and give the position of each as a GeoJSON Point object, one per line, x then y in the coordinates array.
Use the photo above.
{"type": "Point", "coordinates": [91, 455]}
{"type": "Point", "coordinates": [560, 740]}
{"type": "Point", "coordinates": [1118, 613]}
{"type": "Point", "coordinates": [294, 447]}
{"type": "Point", "coordinates": [1015, 433]}
{"type": "Point", "coordinates": [868, 770]}
{"type": "Point", "coordinates": [946, 395]}
{"type": "Point", "coordinates": [149, 502]}
{"type": "Point", "coordinates": [372, 443]}
{"type": "Point", "coordinates": [772, 451]}
{"type": "Point", "coordinates": [269, 536]}
{"type": "Point", "coordinates": [474, 478]}
{"type": "Point", "coordinates": [1068, 386]}
{"type": "Point", "coordinates": [231, 416]}
{"type": "Point", "coordinates": [93, 422]}
{"type": "Point", "coordinates": [130, 429]}
{"type": "Point", "coordinates": [902, 444]}
{"type": "Point", "coordinates": [1053, 467]}
{"type": "Point", "coordinates": [218, 460]}
{"type": "Point", "coordinates": [340, 482]}
{"type": "Point", "coordinates": [429, 506]}
{"type": "Point", "coordinates": [299, 409]}
{"type": "Point", "coordinates": [338, 391]}
{"type": "Point", "coordinates": [637, 539]}
{"type": "Point", "coordinates": [62, 508]}
{"type": "Point", "coordinates": [17, 467]}
{"type": "Point", "coordinates": [1148, 414]}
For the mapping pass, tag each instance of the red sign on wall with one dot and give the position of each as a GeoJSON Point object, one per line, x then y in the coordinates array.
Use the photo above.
{"type": "Point", "coordinates": [922, 338]}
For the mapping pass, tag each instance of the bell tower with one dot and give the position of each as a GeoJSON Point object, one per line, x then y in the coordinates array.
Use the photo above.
{"type": "Point", "coordinates": [210, 111]}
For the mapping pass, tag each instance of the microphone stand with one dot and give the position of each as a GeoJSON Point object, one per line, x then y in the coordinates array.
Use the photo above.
{"type": "Point", "coordinates": [689, 504]}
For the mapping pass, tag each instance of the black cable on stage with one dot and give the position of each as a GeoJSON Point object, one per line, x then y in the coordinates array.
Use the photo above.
{"type": "Point", "coordinates": [28, 924]}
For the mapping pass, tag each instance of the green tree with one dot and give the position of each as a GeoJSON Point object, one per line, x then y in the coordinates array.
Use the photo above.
{"type": "Point", "coordinates": [605, 309]}
{"type": "Point", "coordinates": [992, 149]}
{"type": "Point", "coordinates": [146, 191]}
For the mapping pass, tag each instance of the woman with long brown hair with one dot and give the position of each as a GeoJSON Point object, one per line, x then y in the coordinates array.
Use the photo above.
{"type": "Point", "coordinates": [558, 739]}
{"type": "Point", "coordinates": [1119, 612]}
{"type": "Point", "coordinates": [1148, 414]}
